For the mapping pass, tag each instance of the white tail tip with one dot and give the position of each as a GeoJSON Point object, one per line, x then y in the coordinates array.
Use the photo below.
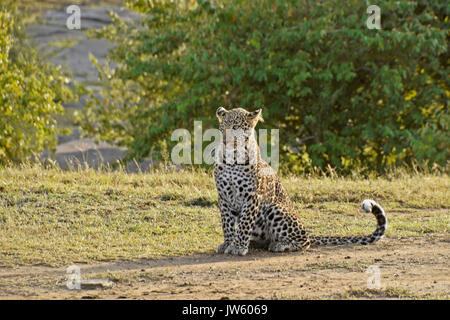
{"type": "Point", "coordinates": [367, 205]}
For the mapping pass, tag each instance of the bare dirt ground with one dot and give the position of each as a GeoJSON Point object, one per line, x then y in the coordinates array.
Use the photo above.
{"type": "Point", "coordinates": [412, 268]}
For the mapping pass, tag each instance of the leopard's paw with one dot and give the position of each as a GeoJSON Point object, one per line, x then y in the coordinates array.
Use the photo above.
{"type": "Point", "coordinates": [235, 250]}
{"type": "Point", "coordinates": [222, 247]}
{"type": "Point", "coordinates": [281, 246]}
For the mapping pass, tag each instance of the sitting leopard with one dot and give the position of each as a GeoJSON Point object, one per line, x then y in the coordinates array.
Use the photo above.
{"type": "Point", "coordinates": [255, 208]}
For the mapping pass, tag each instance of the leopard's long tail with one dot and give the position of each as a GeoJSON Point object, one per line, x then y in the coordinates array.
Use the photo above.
{"type": "Point", "coordinates": [368, 206]}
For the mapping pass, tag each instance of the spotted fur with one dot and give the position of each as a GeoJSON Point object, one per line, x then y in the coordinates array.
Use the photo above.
{"type": "Point", "coordinates": [255, 207]}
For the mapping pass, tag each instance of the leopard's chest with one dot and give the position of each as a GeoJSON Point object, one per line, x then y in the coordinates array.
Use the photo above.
{"type": "Point", "coordinates": [235, 183]}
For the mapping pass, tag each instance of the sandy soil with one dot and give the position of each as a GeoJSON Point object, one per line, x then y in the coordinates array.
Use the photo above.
{"type": "Point", "coordinates": [410, 268]}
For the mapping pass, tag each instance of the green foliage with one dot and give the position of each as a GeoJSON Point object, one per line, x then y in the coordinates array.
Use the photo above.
{"type": "Point", "coordinates": [341, 94]}
{"type": "Point", "coordinates": [31, 92]}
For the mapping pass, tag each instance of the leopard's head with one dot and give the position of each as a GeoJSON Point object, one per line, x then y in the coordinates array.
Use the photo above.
{"type": "Point", "coordinates": [237, 127]}
{"type": "Point", "coordinates": [238, 122]}
{"type": "Point", "coordinates": [238, 119]}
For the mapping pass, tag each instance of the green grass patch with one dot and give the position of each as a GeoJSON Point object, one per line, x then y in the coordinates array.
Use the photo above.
{"type": "Point", "coordinates": [54, 217]}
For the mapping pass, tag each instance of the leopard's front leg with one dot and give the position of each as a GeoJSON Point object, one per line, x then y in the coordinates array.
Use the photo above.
{"type": "Point", "coordinates": [247, 217]}
{"type": "Point", "coordinates": [228, 223]}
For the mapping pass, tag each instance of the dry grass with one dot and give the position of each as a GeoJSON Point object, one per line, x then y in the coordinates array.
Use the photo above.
{"type": "Point", "coordinates": [54, 217]}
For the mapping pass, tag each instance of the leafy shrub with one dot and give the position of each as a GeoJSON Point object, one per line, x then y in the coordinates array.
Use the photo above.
{"type": "Point", "coordinates": [31, 92]}
{"type": "Point", "coordinates": [341, 94]}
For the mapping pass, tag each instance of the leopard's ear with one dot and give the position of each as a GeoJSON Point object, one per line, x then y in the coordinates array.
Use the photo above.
{"type": "Point", "coordinates": [220, 113]}
{"type": "Point", "coordinates": [255, 116]}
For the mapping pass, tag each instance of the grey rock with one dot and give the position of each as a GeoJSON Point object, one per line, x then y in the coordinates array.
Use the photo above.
{"type": "Point", "coordinates": [72, 151]}
{"type": "Point", "coordinates": [85, 153]}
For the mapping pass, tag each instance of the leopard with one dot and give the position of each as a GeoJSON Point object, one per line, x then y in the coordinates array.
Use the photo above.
{"type": "Point", "coordinates": [256, 210]}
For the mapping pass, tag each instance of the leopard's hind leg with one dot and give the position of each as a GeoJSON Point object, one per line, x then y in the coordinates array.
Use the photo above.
{"type": "Point", "coordinates": [286, 231]}
{"type": "Point", "coordinates": [281, 246]}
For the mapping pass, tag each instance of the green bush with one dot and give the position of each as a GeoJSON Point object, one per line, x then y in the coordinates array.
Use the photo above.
{"type": "Point", "coordinates": [341, 94]}
{"type": "Point", "coordinates": [31, 92]}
